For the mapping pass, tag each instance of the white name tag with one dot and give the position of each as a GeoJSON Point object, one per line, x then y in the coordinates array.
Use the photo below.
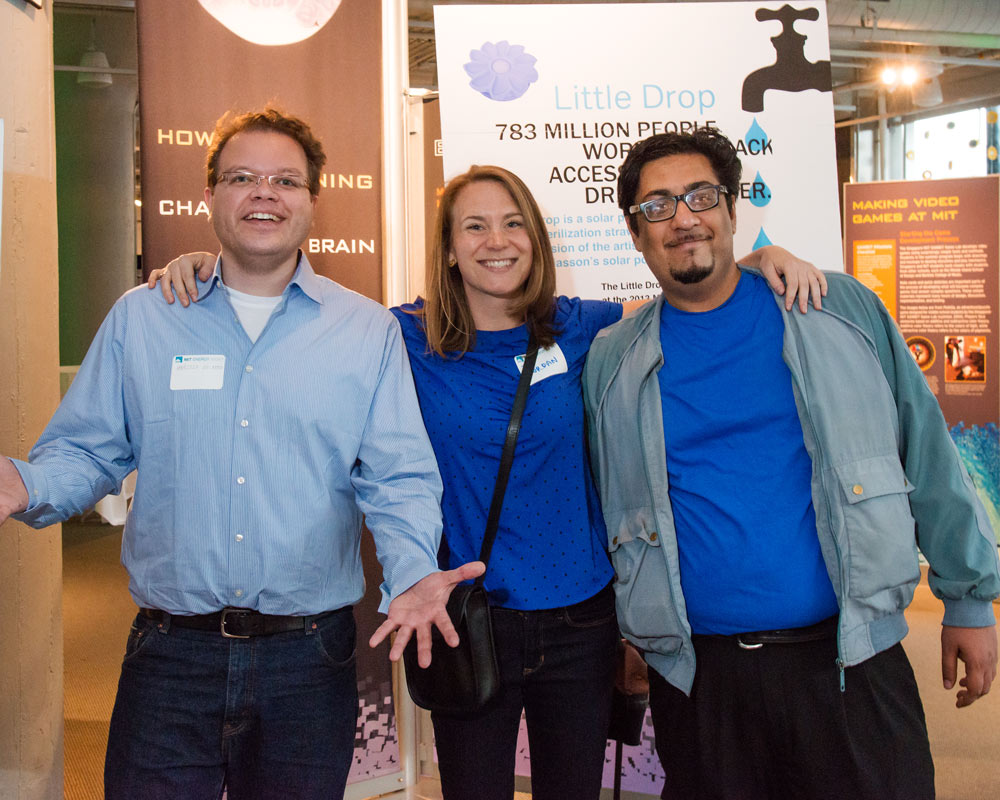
{"type": "Point", "coordinates": [550, 361]}
{"type": "Point", "coordinates": [197, 372]}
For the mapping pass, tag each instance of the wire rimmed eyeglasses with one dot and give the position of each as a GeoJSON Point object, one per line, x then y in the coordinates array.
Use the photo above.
{"type": "Point", "coordinates": [243, 179]}
{"type": "Point", "coordinates": [663, 207]}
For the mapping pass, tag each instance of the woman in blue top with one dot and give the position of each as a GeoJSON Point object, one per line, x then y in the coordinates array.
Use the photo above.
{"type": "Point", "coordinates": [491, 278]}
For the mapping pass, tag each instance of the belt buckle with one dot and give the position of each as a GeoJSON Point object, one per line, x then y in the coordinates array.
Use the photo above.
{"type": "Point", "coordinates": [747, 645]}
{"type": "Point", "coordinates": [222, 623]}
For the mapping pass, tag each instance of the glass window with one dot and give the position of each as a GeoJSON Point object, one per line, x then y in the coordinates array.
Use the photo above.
{"type": "Point", "coordinates": [948, 146]}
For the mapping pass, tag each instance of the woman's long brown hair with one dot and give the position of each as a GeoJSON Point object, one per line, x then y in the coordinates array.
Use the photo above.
{"type": "Point", "coordinates": [446, 315]}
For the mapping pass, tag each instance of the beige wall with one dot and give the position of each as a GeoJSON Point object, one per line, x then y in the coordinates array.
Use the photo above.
{"type": "Point", "coordinates": [31, 725]}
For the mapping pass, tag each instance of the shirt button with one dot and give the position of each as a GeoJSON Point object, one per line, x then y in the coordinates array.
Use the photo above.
{"type": "Point", "coordinates": [239, 537]}
{"type": "Point", "coordinates": [238, 593]}
{"type": "Point", "coordinates": [858, 489]}
{"type": "Point", "coordinates": [243, 423]}
{"type": "Point", "coordinates": [248, 368]}
{"type": "Point", "coordinates": [652, 536]}
{"type": "Point", "coordinates": [241, 480]}
{"type": "Point", "coordinates": [615, 540]}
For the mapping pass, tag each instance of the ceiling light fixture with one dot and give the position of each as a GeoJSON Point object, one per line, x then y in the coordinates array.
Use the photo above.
{"type": "Point", "coordinates": [94, 59]}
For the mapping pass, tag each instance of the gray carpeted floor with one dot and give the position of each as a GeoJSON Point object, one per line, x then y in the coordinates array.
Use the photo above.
{"type": "Point", "coordinates": [97, 612]}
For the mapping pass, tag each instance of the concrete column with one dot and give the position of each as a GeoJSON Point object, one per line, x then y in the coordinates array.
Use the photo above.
{"type": "Point", "coordinates": [31, 719]}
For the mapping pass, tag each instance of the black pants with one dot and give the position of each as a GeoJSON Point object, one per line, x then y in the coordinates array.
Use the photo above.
{"type": "Point", "coordinates": [772, 724]}
{"type": "Point", "coordinates": [558, 665]}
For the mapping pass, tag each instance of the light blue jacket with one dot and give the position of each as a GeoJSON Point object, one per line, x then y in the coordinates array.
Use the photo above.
{"type": "Point", "coordinates": [886, 476]}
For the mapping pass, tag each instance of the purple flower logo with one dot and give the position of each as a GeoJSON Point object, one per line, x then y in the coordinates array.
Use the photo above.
{"type": "Point", "coordinates": [501, 71]}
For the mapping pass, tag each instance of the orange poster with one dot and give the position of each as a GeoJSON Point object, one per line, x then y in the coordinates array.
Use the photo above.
{"type": "Point", "coordinates": [930, 251]}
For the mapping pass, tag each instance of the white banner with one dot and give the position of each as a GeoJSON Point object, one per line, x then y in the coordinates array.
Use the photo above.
{"type": "Point", "coordinates": [558, 94]}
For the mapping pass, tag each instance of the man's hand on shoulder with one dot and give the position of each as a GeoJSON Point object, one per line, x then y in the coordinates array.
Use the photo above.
{"type": "Point", "coordinates": [13, 494]}
{"type": "Point", "coordinates": [423, 605]}
{"type": "Point", "coordinates": [977, 648]}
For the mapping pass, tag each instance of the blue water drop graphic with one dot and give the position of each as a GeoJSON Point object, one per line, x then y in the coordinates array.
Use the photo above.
{"type": "Point", "coordinates": [756, 136]}
{"type": "Point", "coordinates": [762, 240]}
{"type": "Point", "coordinates": [760, 192]}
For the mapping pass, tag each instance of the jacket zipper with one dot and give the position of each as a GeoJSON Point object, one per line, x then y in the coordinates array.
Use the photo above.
{"type": "Point", "coordinates": [650, 375]}
{"type": "Point", "coordinates": [841, 666]}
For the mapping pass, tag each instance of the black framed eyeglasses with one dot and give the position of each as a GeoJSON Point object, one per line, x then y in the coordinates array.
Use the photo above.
{"type": "Point", "coordinates": [663, 207]}
{"type": "Point", "coordinates": [243, 179]}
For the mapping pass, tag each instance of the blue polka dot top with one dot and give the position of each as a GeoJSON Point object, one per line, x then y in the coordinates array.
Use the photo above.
{"type": "Point", "coordinates": [551, 540]}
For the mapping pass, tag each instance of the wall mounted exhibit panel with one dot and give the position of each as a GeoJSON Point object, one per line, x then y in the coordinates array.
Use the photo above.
{"type": "Point", "coordinates": [931, 251]}
{"type": "Point", "coordinates": [195, 63]}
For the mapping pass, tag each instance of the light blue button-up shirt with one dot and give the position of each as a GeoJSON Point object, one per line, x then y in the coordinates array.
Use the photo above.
{"type": "Point", "coordinates": [252, 482]}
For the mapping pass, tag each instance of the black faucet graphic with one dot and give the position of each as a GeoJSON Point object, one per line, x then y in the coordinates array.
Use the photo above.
{"type": "Point", "coordinates": [791, 72]}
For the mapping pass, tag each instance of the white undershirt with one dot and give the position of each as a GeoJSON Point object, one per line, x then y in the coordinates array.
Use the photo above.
{"type": "Point", "coordinates": [253, 311]}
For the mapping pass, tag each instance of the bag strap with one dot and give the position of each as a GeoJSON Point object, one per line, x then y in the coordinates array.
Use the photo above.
{"type": "Point", "coordinates": [507, 458]}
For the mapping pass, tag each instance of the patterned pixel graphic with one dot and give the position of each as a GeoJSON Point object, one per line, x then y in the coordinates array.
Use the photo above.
{"type": "Point", "coordinates": [641, 770]}
{"type": "Point", "coordinates": [376, 743]}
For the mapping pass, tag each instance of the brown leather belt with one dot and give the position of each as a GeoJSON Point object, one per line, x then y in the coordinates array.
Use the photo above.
{"type": "Point", "coordinates": [236, 623]}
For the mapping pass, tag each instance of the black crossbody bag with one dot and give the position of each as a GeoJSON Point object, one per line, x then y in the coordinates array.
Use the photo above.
{"type": "Point", "coordinates": [465, 678]}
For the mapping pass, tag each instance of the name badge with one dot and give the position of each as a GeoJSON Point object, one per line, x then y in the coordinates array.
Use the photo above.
{"type": "Point", "coordinates": [197, 372]}
{"type": "Point", "coordinates": [550, 361]}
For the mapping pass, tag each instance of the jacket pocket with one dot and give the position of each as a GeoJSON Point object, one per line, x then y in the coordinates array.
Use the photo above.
{"type": "Point", "coordinates": [642, 587]}
{"type": "Point", "coordinates": [627, 544]}
{"type": "Point", "coordinates": [879, 536]}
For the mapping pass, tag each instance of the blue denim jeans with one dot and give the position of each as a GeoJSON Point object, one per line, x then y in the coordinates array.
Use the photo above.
{"type": "Point", "coordinates": [264, 717]}
{"type": "Point", "coordinates": [558, 666]}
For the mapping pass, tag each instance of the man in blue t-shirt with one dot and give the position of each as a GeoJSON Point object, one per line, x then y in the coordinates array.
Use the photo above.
{"type": "Point", "coordinates": [763, 475]}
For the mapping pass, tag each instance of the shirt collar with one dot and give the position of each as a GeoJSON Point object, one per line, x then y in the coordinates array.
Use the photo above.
{"type": "Point", "coordinates": [305, 278]}
{"type": "Point", "coordinates": [215, 278]}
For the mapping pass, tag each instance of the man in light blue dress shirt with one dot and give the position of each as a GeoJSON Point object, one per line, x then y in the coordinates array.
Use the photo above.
{"type": "Point", "coordinates": [263, 422]}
